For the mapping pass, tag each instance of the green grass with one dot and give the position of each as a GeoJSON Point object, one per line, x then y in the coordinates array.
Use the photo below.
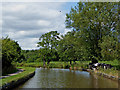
{"type": "Point", "coordinates": [114, 62]}
{"type": "Point", "coordinates": [111, 72]}
{"type": "Point", "coordinates": [33, 64]}
{"type": "Point", "coordinates": [58, 65]}
{"type": "Point", "coordinates": [61, 64]}
{"type": "Point", "coordinates": [52, 64]}
{"type": "Point", "coordinates": [28, 70]}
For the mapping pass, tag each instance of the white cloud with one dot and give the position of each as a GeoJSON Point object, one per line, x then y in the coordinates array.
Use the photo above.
{"type": "Point", "coordinates": [14, 8]}
{"type": "Point", "coordinates": [31, 43]}
{"type": "Point", "coordinates": [1, 20]}
{"type": "Point", "coordinates": [26, 22]}
{"type": "Point", "coordinates": [47, 0]}
{"type": "Point", "coordinates": [43, 23]}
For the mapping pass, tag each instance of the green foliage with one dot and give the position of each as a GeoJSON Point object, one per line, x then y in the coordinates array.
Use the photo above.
{"type": "Point", "coordinates": [48, 42]}
{"type": "Point", "coordinates": [109, 48]}
{"type": "Point", "coordinates": [0, 49]}
{"type": "Point", "coordinates": [67, 47]}
{"type": "Point", "coordinates": [30, 55]}
{"type": "Point", "coordinates": [8, 70]}
{"type": "Point", "coordinates": [59, 65]}
{"type": "Point", "coordinates": [44, 54]}
{"type": "Point", "coordinates": [94, 23]}
{"type": "Point", "coordinates": [11, 52]}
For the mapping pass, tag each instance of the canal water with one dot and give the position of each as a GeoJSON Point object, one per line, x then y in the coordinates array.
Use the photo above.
{"type": "Point", "coordinates": [65, 78]}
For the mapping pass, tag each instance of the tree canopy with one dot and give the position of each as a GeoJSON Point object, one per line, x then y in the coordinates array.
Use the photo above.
{"type": "Point", "coordinates": [49, 43]}
{"type": "Point", "coordinates": [94, 21]}
{"type": "Point", "coordinates": [11, 51]}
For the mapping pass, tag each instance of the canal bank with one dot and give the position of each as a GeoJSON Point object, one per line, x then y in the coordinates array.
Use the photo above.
{"type": "Point", "coordinates": [15, 80]}
{"type": "Point", "coordinates": [99, 73]}
{"type": "Point", "coordinates": [114, 78]}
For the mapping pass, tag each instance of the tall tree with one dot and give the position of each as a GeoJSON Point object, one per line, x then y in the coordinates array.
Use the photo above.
{"type": "Point", "coordinates": [49, 41]}
{"type": "Point", "coordinates": [66, 48]}
{"type": "Point", "coordinates": [93, 20]}
{"type": "Point", "coordinates": [44, 55]}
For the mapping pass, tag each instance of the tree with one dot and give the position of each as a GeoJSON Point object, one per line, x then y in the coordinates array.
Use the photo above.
{"type": "Point", "coordinates": [66, 48]}
{"type": "Point", "coordinates": [110, 47]}
{"type": "Point", "coordinates": [30, 55]}
{"type": "Point", "coordinates": [1, 57]}
{"type": "Point", "coordinates": [82, 47]}
{"type": "Point", "coordinates": [43, 53]}
{"type": "Point", "coordinates": [49, 41]}
{"type": "Point", "coordinates": [0, 50]}
{"type": "Point", "coordinates": [94, 21]}
{"type": "Point", "coordinates": [11, 52]}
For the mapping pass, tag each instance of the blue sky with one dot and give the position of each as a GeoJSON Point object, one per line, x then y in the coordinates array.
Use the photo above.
{"type": "Point", "coordinates": [68, 5]}
{"type": "Point", "coordinates": [26, 22]}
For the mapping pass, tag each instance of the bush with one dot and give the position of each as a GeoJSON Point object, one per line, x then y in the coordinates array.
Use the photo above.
{"type": "Point", "coordinates": [8, 70]}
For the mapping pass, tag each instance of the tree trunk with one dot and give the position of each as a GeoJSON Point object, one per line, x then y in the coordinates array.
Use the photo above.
{"type": "Point", "coordinates": [44, 63]}
{"type": "Point", "coordinates": [70, 62]}
{"type": "Point", "coordinates": [48, 62]}
{"type": "Point", "coordinates": [74, 62]}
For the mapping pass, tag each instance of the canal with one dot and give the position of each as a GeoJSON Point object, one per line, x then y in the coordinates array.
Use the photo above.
{"type": "Point", "coordinates": [65, 78]}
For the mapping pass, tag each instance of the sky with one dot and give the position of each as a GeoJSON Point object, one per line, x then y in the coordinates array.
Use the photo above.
{"type": "Point", "coordinates": [25, 22]}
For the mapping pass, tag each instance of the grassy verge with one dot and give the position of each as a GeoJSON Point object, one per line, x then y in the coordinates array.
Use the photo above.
{"type": "Point", "coordinates": [111, 72]}
{"type": "Point", "coordinates": [28, 70]}
{"type": "Point", "coordinates": [33, 64]}
{"type": "Point", "coordinates": [53, 64]}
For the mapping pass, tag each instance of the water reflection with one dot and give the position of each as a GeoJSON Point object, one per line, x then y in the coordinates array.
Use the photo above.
{"type": "Point", "coordinates": [65, 78]}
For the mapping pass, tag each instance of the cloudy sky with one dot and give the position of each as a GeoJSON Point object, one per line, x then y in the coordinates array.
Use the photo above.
{"type": "Point", "coordinates": [26, 22]}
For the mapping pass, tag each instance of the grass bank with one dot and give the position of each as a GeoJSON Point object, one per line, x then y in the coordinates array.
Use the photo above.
{"type": "Point", "coordinates": [53, 64]}
{"type": "Point", "coordinates": [111, 72]}
{"type": "Point", "coordinates": [27, 71]}
{"type": "Point", "coordinates": [107, 73]}
{"type": "Point", "coordinates": [61, 64]}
